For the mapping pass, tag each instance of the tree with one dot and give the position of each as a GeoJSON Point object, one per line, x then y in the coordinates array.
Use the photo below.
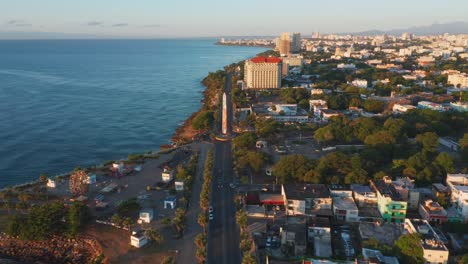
{"type": "Point", "coordinates": [154, 235]}
{"type": "Point", "coordinates": [380, 138]}
{"type": "Point", "coordinates": [444, 162]}
{"type": "Point", "coordinates": [200, 240]}
{"type": "Point", "coordinates": [168, 260]}
{"type": "Point", "coordinates": [248, 259]}
{"type": "Point", "coordinates": [78, 215]}
{"type": "Point", "coordinates": [429, 141]}
{"type": "Point", "coordinates": [373, 106]}
{"type": "Point", "coordinates": [245, 141]}
{"type": "Point", "coordinates": [464, 146]}
{"type": "Point", "coordinates": [395, 126]}
{"type": "Point", "coordinates": [409, 250]}
{"type": "Point", "coordinates": [241, 218]}
{"type": "Point", "coordinates": [200, 254]}
{"type": "Point", "coordinates": [363, 127]}
{"type": "Point", "coordinates": [203, 120]}
{"type": "Point", "coordinates": [291, 167]}
{"type": "Point", "coordinates": [202, 220]}
{"type": "Point", "coordinates": [255, 160]}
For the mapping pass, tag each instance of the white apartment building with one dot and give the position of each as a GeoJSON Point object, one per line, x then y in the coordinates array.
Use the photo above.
{"type": "Point", "coordinates": [345, 209]}
{"type": "Point", "coordinates": [458, 184]}
{"type": "Point", "coordinates": [401, 108]}
{"type": "Point", "coordinates": [361, 83]}
{"type": "Point", "coordinates": [316, 105]}
{"type": "Point", "coordinates": [458, 80]}
{"type": "Point", "coordinates": [346, 66]}
{"type": "Point", "coordinates": [262, 73]}
{"type": "Point", "coordinates": [434, 250]}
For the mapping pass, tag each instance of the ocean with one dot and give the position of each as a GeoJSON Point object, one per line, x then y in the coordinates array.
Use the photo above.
{"type": "Point", "coordinates": [69, 103]}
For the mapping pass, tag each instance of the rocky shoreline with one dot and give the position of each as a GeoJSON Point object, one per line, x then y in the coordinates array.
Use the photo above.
{"type": "Point", "coordinates": [80, 250]}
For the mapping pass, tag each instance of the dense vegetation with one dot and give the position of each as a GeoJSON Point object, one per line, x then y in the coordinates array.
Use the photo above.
{"type": "Point", "coordinates": [41, 222]}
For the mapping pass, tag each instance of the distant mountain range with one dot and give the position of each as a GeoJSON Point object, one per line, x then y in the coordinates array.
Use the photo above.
{"type": "Point", "coordinates": [459, 27]}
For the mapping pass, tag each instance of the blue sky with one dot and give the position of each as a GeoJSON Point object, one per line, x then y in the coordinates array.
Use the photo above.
{"type": "Point", "coordinates": [188, 18]}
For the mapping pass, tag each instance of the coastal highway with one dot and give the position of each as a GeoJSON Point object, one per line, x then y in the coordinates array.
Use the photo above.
{"type": "Point", "coordinates": [223, 233]}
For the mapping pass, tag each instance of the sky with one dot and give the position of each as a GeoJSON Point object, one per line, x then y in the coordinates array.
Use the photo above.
{"type": "Point", "coordinates": [204, 18]}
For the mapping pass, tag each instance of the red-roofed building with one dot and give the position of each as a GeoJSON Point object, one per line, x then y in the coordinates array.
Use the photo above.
{"type": "Point", "coordinates": [263, 73]}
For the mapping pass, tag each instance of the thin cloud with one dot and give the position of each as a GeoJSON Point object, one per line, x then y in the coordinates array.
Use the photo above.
{"type": "Point", "coordinates": [152, 26]}
{"type": "Point", "coordinates": [95, 23]}
{"type": "Point", "coordinates": [120, 25]}
{"type": "Point", "coordinates": [18, 23]}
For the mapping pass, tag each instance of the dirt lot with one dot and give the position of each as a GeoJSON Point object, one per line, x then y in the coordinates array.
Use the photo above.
{"type": "Point", "coordinates": [117, 249]}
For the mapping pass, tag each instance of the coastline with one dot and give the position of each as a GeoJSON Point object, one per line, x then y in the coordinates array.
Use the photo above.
{"type": "Point", "coordinates": [183, 134]}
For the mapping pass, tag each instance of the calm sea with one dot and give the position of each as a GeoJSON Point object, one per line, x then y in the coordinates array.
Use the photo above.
{"type": "Point", "coordinates": [71, 103]}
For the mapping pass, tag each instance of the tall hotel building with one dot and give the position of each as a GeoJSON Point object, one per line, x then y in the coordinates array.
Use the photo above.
{"type": "Point", "coordinates": [284, 44]}
{"type": "Point", "coordinates": [296, 42]}
{"type": "Point", "coordinates": [262, 73]}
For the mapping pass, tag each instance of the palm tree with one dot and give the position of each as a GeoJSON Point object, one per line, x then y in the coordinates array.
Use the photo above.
{"type": "Point", "coordinates": [154, 235]}
{"type": "Point", "coordinates": [201, 255]}
{"type": "Point", "coordinates": [202, 220]}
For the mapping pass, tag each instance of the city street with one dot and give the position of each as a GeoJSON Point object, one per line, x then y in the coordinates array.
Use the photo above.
{"type": "Point", "coordinates": [223, 233]}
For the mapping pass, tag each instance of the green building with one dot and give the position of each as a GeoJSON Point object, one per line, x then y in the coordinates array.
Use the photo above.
{"type": "Point", "coordinates": [392, 207]}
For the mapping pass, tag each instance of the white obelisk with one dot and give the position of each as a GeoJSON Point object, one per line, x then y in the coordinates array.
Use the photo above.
{"type": "Point", "coordinates": [225, 116]}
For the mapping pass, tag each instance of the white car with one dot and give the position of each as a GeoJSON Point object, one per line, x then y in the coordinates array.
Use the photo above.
{"type": "Point", "coordinates": [211, 216]}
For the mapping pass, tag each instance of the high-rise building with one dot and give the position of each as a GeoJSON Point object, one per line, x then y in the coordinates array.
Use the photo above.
{"type": "Point", "coordinates": [284, 44]}
{"type": "Point", "coordinates": [316, 35]}
{"type": "Point", "coordinates": [296, 42]}
{"type": "Point", "coordinates": [262, 73]}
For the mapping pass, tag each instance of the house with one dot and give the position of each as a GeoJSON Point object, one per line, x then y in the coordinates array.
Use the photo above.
{"type": "Point", "coordinates": [170, 202]}
{"type": "Point", "coordinates": [51, 183]}
{"type": "Point", "coordinates": [167, 174]}
{"type": "Point", "coordinates": [179, 186]}
{"type": "Point", "coordinates": [293, 236]}
{"type": "Point", "coordinates": [405, 186]}
{"type": "Point", "coordinates": [319, 234]}
{"type": "Point", "coordinates": [402, 108]}
{"type": "Point", "coordinates": [449, 143]}
{"type": "Point", "coordinates": [360, 83]}
{"type": "Point", "coordinates": [431, 106]}
{"type": "Point", "coordinates": [260, 144]}
{"type": "Point", "coordinates": [146, 215]}
{"type": "Point", "coordinates": [339, 190]}
{"type": "Point", "coordinates": [373, 256]}
{"type": "Point", "coordinates": [385, 233]}
{"type": "Point", "coordinates": [344, 209]}
{"type": "Point", "coordinates": [316, 105]}
{"type": "Point", "coordinates": [458, 184]}
{"type": "Point", "coordinates": [138, 239]}
{"type": "Point", "coordinates": [434, 250]}
{"type": "Point", "coordinates": [307, 199]}
{"type": "Point", "coordinates": [441, 192]}
{"type": "Point", "coordinates": [363, 195]}
{"type": "Point", "coordinates": [392, 207]}
{"type": "Point", "coordinates": [432, 212]}
{"type": "Point", "coordinates": [280, 112]}
{"type": "Point", "coordinates": [327, 114]}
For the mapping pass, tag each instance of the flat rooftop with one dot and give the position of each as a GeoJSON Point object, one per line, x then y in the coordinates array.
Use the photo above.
{"type": "Point", "coordinates": [386, 233]}
{"type": "Point", "coordinates": [344, 203]}
{"type": "Point", "coordinates": [304, 191]}
{"type": "Point", "coordinates": [429, 240]}
{"type": "Point", "coordinates": [387, 189]}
